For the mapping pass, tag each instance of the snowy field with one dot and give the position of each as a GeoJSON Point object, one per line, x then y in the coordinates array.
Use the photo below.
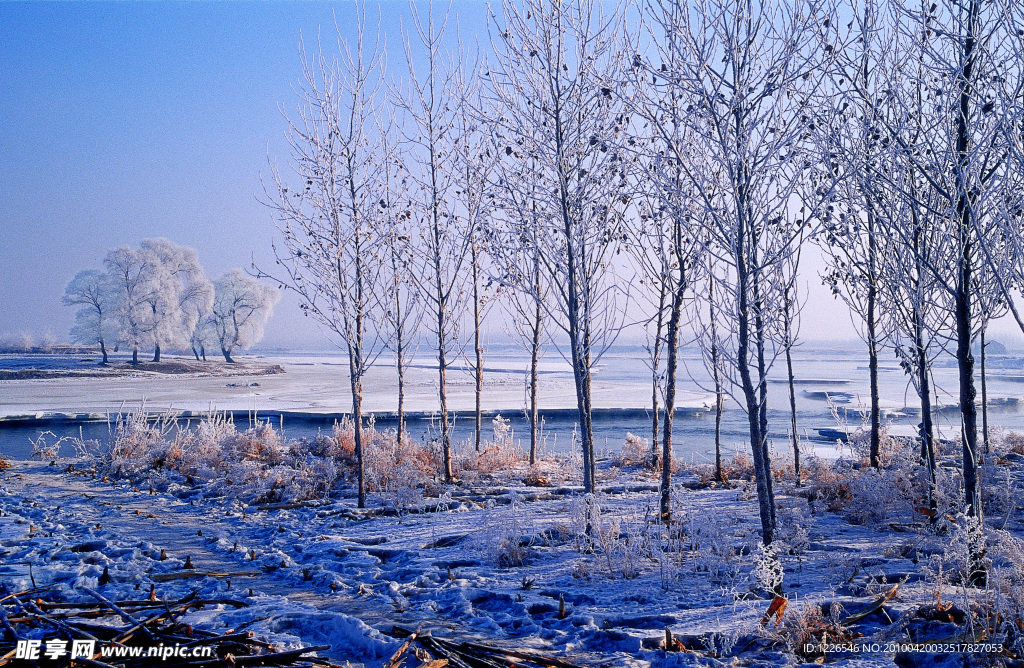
{"type": "Point", "coordinates": [495, 559]}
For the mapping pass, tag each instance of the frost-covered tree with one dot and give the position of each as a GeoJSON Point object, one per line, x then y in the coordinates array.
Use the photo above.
{"type": "Point", "coordinates": [401, 311]}
{"type": "Point", "coordinates": [180, 293]}
{"type": "Point", "coordinates": [554, 111]}
{"type": "Point", "coordinates": [241, 307]}
{"type": "Point", "coordinates": [967, 78]}
{"type": "Point", "coordinates": [745, 76]}
{"type": "Point", "coordinates": [442, 246]}
{"type": "Point", "coordinates": [666, 243]}
{"type": "Point", "coordinates": [94, 319]}
{"type": "Point", "coordinates": [331, 254]}
{"type": "Point", "coordinates": [130, 274]}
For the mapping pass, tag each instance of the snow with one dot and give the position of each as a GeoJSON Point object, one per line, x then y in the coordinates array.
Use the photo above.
{"type": "Point", "coordinates": [328, 573]}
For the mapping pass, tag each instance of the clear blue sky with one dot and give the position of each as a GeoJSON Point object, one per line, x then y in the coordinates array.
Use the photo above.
{"type": "Point", "coordinates": [123, 121]}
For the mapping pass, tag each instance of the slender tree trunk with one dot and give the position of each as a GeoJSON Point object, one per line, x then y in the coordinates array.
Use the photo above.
{"type": "Point", "coordinates": [478, 370]}
{"type": "Point", "coordinates": [103, 351]}
{"type": "Point", "coordinates": [579, 343]}
{"type": "Point", "coordinates": [762, 408]}
{"type": "Point", "coordinates": [672, 348]}
{"type": "Point", "coordinates": [357, 417]}
{"type": "Point", "coordinates": [984, 395]}
{"type": "Point", "coordinates": [135, 356]}
{"type": "Point", "coordinates": [792, 397]}
{"type": "Point", "coordinates": [927, 425]}
{"type": "Point", "coordinates": [655, 363]}
{"type": "Point", "coordinates": [202, 352]}
{"type": "Point", "coordinates": [446, 442]}
{"type": "Point", "coordinates": [534, 356]}
{"type": "Point", "coordinates": [195, 353]}
{"type": "Point", "coordinates": [876, 413]}
{"type": "Point", "coordinates": [717, 377]}
{"type": "Point", "coordinates": [762, 470]}
{"type": "Point", "coordinates": [156, 353]}
{"type": "Point", "coordinates": [401, 390]}
{"type": "Point", "coordinates": [962, 303]}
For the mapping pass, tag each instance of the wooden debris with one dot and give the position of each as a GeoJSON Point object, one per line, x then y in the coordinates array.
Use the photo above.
{"type": "Point", "coordinates": [469, 654]}
{"type": "Point", "coordinates": [23, 614]}
{"type": "Point", "coordinates": [873, 608]}
{"type": "Point", "coordinates": [181, 575]}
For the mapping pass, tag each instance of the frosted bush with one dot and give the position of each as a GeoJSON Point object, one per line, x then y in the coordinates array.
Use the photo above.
{"type": "Point", "coordinates": [502, 430]}
{"type": "Point", "coordinates": [710, 546]}
{"type": "Point", "coordinates": [967, 540]}
{"type": "Point", "coordinates": [504, 534]}
{"type": "Point", "coordinates": [767, 572]}
{"type": "Point", "coordinates": [585, 521]}
{"type": "Point", "coordinates": [1006, 582]}
{"type": "Point", "coordinates": [635, 450]}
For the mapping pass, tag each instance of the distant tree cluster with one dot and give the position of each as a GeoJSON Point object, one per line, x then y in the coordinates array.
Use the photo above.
{"type": "Point", "coordinates": [157, 296]}
{"type": "Point", "coordinates": [679, 155]}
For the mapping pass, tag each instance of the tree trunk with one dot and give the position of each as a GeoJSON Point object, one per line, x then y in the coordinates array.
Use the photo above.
{"type": "Point", "coordinates": [357, 417]}
{"type": "Point", "coordinates": [103, 350]}
{"type": "Point", "coordinates": [792, 408]}
{"type": "Point", "coordinates": [534, 408]}
{"type": "Point", "coordinates": [672, 348]}
{"type": "Point", "coordinates": [478, 370]}
{"type": "Point", "coordinates": [787, 334]}
{"type": "Point", "coordinates": [401, 392]}
{"type": "Point", "coordinates": [195, 352]}
{"type": "Point", "coordinates": [202, 352]}
{"type": "Point", "coordinates": [156, 353]}
{"type": "Point", "coordinates": [227, 355]}
{"type": "Point", "coordinates": [135, 356]}
{"type": "Point", "coordinates": [762, 408]}
{"type": "Point", "coordinates": [762, 470]}
{"type": "Point", "coordinates": [655, 363]}
{"type": "Point", "coordinates": [446, 437]}
{"type": "Point", "coordinates": [962, 297]}
{"type": "Point", "coordinates": [716, 376]}
{"type": "Point", "coordinates": [876, 413]}
{"type": "Point", "coordinates": [927, 426]}
{"type": "Point", "coordinates": [984, 396]}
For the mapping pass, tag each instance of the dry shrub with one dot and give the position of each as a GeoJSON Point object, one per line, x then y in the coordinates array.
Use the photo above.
{"type": "Point", "coordinates": [828, 483]}
{"type": "Point", "coordinates": [1012, 442]}
{"type": "Point", "coordinates": [4, 463]}
{"type": "Point", "coordinates": [636, 450]}
{"type": "Point", "coordinates": [810, 628]}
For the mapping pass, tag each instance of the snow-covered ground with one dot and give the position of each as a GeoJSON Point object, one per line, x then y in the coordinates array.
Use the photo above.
{"type": "Point", "coordinates": [493, 559]}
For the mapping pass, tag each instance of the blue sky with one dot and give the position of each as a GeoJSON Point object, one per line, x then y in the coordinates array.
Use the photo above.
{"type": "Point", "coordinates": [123, 121]}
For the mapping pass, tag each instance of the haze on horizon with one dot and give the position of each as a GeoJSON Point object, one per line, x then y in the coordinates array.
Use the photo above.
{"type": "Point", "coordinates": [130, 121]}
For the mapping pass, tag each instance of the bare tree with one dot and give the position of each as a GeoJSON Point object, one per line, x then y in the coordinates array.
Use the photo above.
{"type": "Point", "coordinates": [667, 246]}
{"type": "Point", "coordinates": [241, 308]}
{"type": "Point", "coordinates": [519, 267]}
{"type": "Point", "coordinates": [475, 162]}
{"type": "Point", "coordinates": [442, 247]}
{"type": "Point", "coordinates": [746, 77]}
{"type": "Point", "coordinates": [330, 255]}
{"type": "Point", "coordinates": [967, 63]}
{"type": "Point", "coordinates": [402, 312]}
{"type": "Point", "coordinates": [556, 112]}
{"type": "Point", "coordinates": [93, 321]}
